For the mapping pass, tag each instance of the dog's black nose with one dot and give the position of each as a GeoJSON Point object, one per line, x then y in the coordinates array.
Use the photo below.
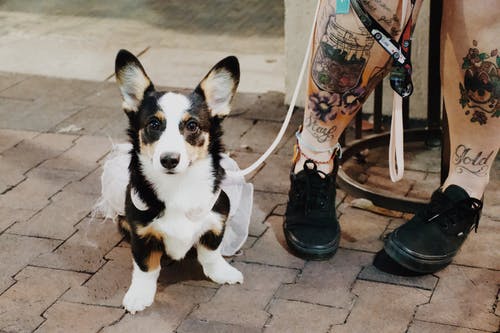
{"type": "Point", "coordinates": [170, 160]}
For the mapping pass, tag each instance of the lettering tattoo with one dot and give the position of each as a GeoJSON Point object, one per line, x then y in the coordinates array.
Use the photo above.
{"type": "Point", "coordinates": [320, 133]}
{"type": "Point", "coordinates": [472, 162]}
{"type": "Point", "coordinates": [380, 3]}
{"type": "Point", "coordinates": [391, 20]}
{"type": "Point", "coordinates": [480, 91]}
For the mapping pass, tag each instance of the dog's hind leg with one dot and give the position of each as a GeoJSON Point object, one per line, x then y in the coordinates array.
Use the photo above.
{"type": "Point", "coordinates": [216, 267]}
{"type": "Point", "coordinates": [147, 255]}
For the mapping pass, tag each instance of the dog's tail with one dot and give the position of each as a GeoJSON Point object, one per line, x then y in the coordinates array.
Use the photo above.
{"type": "Point", "coordinates": [114, 181]}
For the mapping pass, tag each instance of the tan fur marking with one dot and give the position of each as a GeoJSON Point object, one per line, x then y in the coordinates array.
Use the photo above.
{"type": "Point", "coordinates": [146, 149]}
{"type": "Point", "coordinates": [160, 115]}
{"type": "Point", "coordinates": [124, 224]}
{"type": "Point", "coordinates": [197, 153]}
{"type": "Point", "coordinates": [149, 231]}
{"type": "Point", "coordinates": [153, 261]}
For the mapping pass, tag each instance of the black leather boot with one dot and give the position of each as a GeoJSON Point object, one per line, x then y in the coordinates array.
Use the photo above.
{"type": "Point", "coordinates": [311, 228]}
{"type": "Point", "coordinates": [430, 240]}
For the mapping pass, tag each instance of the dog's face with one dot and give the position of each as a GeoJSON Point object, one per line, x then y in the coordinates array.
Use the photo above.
{"type": "Point", "coordinates": [173, 130]}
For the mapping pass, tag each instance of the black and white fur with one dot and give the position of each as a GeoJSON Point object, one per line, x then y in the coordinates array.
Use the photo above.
{"type": "Point", "coordinates": [173, 200]}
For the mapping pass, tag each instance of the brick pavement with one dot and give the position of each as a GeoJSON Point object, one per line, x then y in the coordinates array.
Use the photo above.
{"type": "Point", "coordinates": [61, 272]}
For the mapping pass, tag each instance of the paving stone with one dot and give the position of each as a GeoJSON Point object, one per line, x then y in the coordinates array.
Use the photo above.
{"type": "Point", "coordinates": [9, 138]}
{"type": "Point", "coordinates": [274, 176]}
{"type": "Point", "coordinates": [70, 317]}
{"type": "Point", "coordinates": [84, 250]}
{"type": "Point", "coordinates": [96, 121]}
{"type": "Point", "coordinates": [31, 152]}
{"type": "Point", "coordinates": [57, 220]}
{"type": "Point", "coordinates": [370, 273]}
{"type": "Point", "coordinates": [423, 189]}
{"type": "Point", "coordinates": [90, 184]}
{"type": "Point", "coordinates": [286, 148]}
{"type": "Point", "coordinates": [269, 244]}
{"type": "Point", "coordinates": [36, 289]}
{"type": "Point", "coordinates": [35, 191]}
{"type": "Point", "coordinates": [8, 80]}
{"type": "Point", "coordinates": [17, 160]}
{"type": "Point", "coordinates": [109, 284]}
{"type": "Point", "coordinates": [263, 205]}
{"type": "Point", "coordinates": [83, 156]}
{"type": "Point", "coordinates": [262, 134]}
{"type": "Point", "coordinates": [464, 297]}
{"type": "Point", "coordinates": [234, 128]}
{"type": "Point", "coordinates": [244, 160]}
{"type": "Point", "coordinates": [293, 316]}
{"type": "Point", "coordinates": [382, 308]}
{"type": "Point", "coordinates": [381, 181]}
{"type": "Point", "coordinates": [36, 87]}
{"type": "Point", "coordinates": [16, 252]}
{"type": "Point", "coordinates": [172, 304]}
{"type": "Point", "coordinates": [202, 326]}
{"type": "Point", "coordinates": [328, 282]}
{"type": "Point", "coordinates": [361, 230]}
{"type": "Point", "coordinates": [422, 159]}
{"type": "Point", "coordinates": [106, 95]}
{"type": "Point", "coordinates": [418, 326]}
{"type": "Point", "coordinates": [249, 243]}
{"type": "Point", "coordinates": [12, 215]}
{"type": "Point", "coordinates": [266, 106]}
{"type": "Point", "coordinates": [245, 304]}
{"type": "Point", "coordinates": [480, 249]}
{"type": "Point", "coordinates": [34, 116]}
{"type": "Point", "coordinates": [10, 175]}
{"type": "Point", "coordinates": [491, 204]}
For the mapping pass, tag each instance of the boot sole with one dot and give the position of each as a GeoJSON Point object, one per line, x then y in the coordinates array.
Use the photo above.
{"type": "Point", "coordinates": [313, 254]}
{"type": "Point", "coordinates": [412, 262]}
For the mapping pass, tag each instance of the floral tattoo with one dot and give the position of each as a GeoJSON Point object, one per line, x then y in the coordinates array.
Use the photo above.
{"type": "Point", "coordinates": [322, 104]}
{"type": "Point", "coordinates": [480, 92]}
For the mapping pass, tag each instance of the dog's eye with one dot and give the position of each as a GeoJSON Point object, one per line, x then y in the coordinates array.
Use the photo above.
{"type": "Point", "coordinates": [154, 124]}
{"type": "Point", "coordinates": [192, 126]}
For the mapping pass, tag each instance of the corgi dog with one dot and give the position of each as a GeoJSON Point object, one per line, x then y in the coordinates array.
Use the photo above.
{"type": "Point", "coordinates": [173, 201]}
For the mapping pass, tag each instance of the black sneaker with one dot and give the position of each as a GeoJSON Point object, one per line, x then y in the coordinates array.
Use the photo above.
{"type": "Point", "coordinates": [430, 240]}
{"type": "Point", "coordinates": [311, 227]}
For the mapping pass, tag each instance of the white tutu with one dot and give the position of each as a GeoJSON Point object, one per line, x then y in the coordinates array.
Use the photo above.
{"type": "Point", "coordinates": [115, 178]}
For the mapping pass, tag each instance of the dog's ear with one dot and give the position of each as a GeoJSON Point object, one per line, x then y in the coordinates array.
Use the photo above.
{"type": "Point", "coordinates": [132, 80]}
{"type": "Point", "coordinates": [219, 86]}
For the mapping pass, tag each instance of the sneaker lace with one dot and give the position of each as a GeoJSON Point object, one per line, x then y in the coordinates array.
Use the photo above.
{"type": "Point", "coordinates": [448, 214]}
{"type": "Point", "coordinates": [315, 191]}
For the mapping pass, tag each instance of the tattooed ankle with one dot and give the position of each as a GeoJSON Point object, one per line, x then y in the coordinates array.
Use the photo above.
{"type": "Point", "coordinates": [320, 133]}
{"type": "Point", "coordinates": [472, 162]}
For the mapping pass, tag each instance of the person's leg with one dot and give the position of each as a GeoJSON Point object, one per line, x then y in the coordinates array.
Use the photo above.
{"type": "Point", "coordinates": [471, 87]}
{"type": "Point", "coordinates": [346, 64]}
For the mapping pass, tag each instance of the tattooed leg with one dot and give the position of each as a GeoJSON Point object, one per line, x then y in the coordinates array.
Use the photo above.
{"type": "Point", "coordinates": [345, 66]}
{"type": "Point", "coordinates": [471, 87]}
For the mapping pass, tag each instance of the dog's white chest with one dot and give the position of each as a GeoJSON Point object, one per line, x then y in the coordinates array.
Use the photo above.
{"type": "Point", "coordinates": [180, 233]}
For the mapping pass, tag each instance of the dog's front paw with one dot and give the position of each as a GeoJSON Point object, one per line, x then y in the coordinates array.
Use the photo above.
{"type": "Point", "coordinates": [137, 299]}
{"type": "Point", "coordinates": [222, 273]}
